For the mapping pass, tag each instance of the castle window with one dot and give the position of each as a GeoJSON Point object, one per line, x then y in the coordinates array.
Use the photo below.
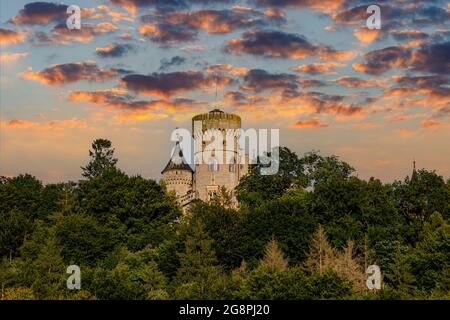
{"type": "Point", "coordinates": [213, 165]}
{"type": "Point", "coordinates": [232, 166]}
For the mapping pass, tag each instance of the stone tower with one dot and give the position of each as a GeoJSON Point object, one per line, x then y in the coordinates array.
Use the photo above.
{"type": "Point", "coordinates": [212, 174]}
{"type": "Point", "coordinates": [178, 176]}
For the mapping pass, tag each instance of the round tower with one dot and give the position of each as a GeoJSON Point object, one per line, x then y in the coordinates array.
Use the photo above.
{"type": "Point", "coordinates": [178, 174]}
{"type": "Point", "coordinates": [220, 167]}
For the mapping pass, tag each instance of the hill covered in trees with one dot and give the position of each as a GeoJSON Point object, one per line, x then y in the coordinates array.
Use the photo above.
{"type": "Point", "coordinates": [308, 232]}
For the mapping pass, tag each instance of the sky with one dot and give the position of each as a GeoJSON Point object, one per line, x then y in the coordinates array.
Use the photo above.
{"type": "Point", "coordinates": [138, 69]}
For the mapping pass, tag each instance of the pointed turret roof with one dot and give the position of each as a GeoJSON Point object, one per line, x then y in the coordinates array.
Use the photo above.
{"type": "Point", "coordinates": [177, 161]}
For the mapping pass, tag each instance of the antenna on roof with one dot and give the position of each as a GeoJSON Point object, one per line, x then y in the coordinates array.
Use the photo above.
{"type": "Point", "coordinates": [217, 85]}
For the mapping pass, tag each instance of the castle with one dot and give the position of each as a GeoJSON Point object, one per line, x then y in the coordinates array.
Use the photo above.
{"type": "Point", "coordinates": [211, 175]}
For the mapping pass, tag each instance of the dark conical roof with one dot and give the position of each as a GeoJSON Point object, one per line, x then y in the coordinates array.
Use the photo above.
{"type": "Point", "coordinates": [177, 161]}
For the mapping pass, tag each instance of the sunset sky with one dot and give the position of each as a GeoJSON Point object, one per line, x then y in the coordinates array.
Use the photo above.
{"type": "Point", "coordinates": [137, 69]}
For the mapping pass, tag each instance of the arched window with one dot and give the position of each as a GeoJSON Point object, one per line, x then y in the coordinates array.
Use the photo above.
{"type": "Point", "coordinates": [232, 165]}
{"type": "Point", "coordinates": [213, 165]}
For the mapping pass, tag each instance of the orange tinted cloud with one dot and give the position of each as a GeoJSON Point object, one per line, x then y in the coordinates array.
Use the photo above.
{"type": "Point", "coordinates": [116, 16]}
{"type": "Point", "coordinates": [129, 110]}
{"type": "Point", "coordinates": [71, 72]}
{"type": "Point", "coordinates": [326, 6]}
{"type": "Point", "coordinates": [353, 82]}
{"type": "Point", "coordinates": [227, 68]}
{"type": "Point", "coordinates": [8, 37]}
{"type": "Point", "coordinates": [319, 68]}
{"type": "Point", "coordinates": [434, 124]}
{"type": "Point", "coordinates": [309, 123]}
{"type": "Point", "coordinates": [368, 125]}
{"type": "Point", "coordinates": [73, 123]}
{"type": "Point", "coordinates": [379, 163]}
{"type": "Point", "coordinates": [7, 57]}
{"type": "Point", "coordinates": [405, 132]}
{"type": "Point", "coordinates": [365, 35]}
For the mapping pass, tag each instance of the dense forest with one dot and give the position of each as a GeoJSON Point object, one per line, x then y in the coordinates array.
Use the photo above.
{"type": "Point", "coordinates": [308, 232]}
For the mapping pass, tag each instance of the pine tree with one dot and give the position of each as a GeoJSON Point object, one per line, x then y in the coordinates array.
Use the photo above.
{"type": "Point", "coordinates": [321, 255]}
{"type": "Point", "coordinates": [347, 266]}
{"type": "Point", "coordinates": [199, 276]}
{"type": "Point", "coordinates": [102, 158]}
{"type": "Point", "coordinates": [273, 257]}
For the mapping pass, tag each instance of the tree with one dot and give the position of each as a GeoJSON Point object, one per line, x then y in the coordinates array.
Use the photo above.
{"type": "Point", "coordinates": [84, 240]}
{"type": "Point", "coordinates": [102, 158]}
{"type": "Point", "coordinates": [255, 188]}
{"type": "Point", "coordinates": [348, 267]}
{"type": "Point", "coordinates": [199, 276]}
{"type": "Point", "coordinates": [318, 169]}
{"type": "Point", "coordinates": [287, 218]}
{"type": "Point", "coordinates": [422, 194]}
{"type": "Point", "coordinates": [134, 206]}
{"type": "Point", "coordinates": [41, 267]}
{"type": "Point", "coordinates": [131, 276]}
{"type": "Point", "coordinates": [321, 255]}
{"type": "Point", "coordinates": [430, 259]}
{"type": "Point", "coordinates": [19, 293]}
{"type": "Point", "coordinates": [273, 257]}
{"type": "Point", "coordinates": [224, 225]}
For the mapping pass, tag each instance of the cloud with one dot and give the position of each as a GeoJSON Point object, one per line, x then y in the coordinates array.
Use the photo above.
{"type": "Point", "coordinates": [227, 68]}
{"type": "Point", "coordinates": [420, 13]}
{"type": "Point", "coordinates": [60, 74]}
{"type": "Point", "coordinates": [167, 34]}
{"type": "Point", "coordinates": [258, 80]}
{"type": "Point", "coordinates": [130, 110]}
{"type": "Point", "coordinates": [433, 58]}
{"type": "Point", "coordinates": [60, 34]}
{"type": "Point", "coordinates": [116, 16]}
{"type": "Point", "coordinates": [73, 123]}
{"type": "Point", "coordinates": [319, 68]}
{"type": "Point", "coordinates": [380, 163]}
{"type": "Point", "coordinates": [218, 21]}
{"type": "Point", "coordinates": [277, 44]}
{"type": "Point", "coordinates": [175, 61]}
{"type": "Point", "coordinates": [114, 50]}
{"type": "Point", "coordinates": [365, 35]}
{"type": "Point", "coordinates": [8, 37]}
{"type": "Point", "coordinates": [405, 132]}
{"type": "Point", "coordinates": [322, 6]}
{"type": "Point", "coordinates": [309, 123]}
{"type": "Point", "coordinates": [169, 84]}
{"type": "Point", "coordinates": [41, 13]}
{"type": "Point", "coordinates": [192, 47]}
{"type": "Point", "coordinates": [407, 35]}
{"type": "Point", "coordinates": [8, 57]}
{"type": "Point", "coordinates": [292, 104]}
{"type": "Point", "coordinates": [422, 81]}
{"type": "Point", "coordinates": [434, 124]}
{"type": "Point", "coordinates": [366, 125]}
{"type": "Point", "coordinates": [134, 5]}
{"type": "Point", "coordinates": [434, 88]}
{"type": "Point", "coordinates": [112, 99]}
{"type": "Point", "coordinates": [353, 82]}
{"type": "Point", "coordinates": [382, 60]}
{"type": "Point", "coordinates": [168, 28]}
